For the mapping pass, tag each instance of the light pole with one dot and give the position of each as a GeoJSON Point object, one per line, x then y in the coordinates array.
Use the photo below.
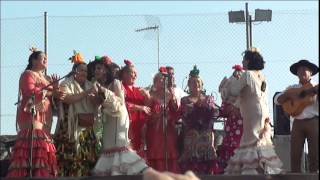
{"type": "Point", "coordinates": [156, 28]}
{"type": "Point", "coordinates": [241, 16]}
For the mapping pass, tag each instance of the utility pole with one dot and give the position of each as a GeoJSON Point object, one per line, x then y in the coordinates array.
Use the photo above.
{"type": "Point", "coordinates": [46, 36]}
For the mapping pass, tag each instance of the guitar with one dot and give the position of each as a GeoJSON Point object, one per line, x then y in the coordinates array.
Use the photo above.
{"type": "Point", "coordinates": [299, 98]}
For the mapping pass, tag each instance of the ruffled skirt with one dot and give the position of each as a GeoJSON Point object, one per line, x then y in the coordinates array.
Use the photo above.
{"type": "Point", "coordinates": [119, 161]}
{"type": "Point", "coordinates": [254, 159]}
{"type": "Point", "coordinates": [76, 159]}
{"type": "Point", "coordinates": [44, 163]}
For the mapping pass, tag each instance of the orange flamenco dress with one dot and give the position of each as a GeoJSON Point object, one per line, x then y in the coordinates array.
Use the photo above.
{"type": "Point", "coordinates": [44, 162]}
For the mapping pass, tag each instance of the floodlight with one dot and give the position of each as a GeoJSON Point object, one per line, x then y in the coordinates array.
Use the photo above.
{"type": "Point", "coordinates": [262, 15]}
{"type": "Point", "coordinates": [236, 16]}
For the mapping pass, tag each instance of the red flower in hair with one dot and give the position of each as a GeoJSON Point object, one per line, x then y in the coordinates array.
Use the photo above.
{"type": "Point", "coordinates": [237, 67]}
{"type": "Point", "coordinates": [163, 70]}
{"type": "Point", "coordinates": [107, 60]}
{"type": "Point", "coordinates": [128, 62]}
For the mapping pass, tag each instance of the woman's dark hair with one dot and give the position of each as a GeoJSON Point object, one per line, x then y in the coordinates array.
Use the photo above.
{"type": "Point", "coordinates": [91, 68]}
{"type": "Point", "coordinates": [33, 55]}
{"type": "Point", "coordinates": [255, 60]}
{"type": "Point", "coordinates": [110, 75]}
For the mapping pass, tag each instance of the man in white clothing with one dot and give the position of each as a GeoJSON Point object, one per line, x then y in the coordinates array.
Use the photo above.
{"type": "Point", "coordinates": [306, 123]}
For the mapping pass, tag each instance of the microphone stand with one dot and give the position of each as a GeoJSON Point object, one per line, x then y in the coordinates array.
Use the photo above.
{"type": "Point", "coordinates": [165, 122]}
{"type": "Point", "coordinates": [33, 113]}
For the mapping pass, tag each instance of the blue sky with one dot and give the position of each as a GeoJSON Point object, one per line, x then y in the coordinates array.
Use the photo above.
{"type": "Point", "coordinates": [192, 32]}
{"type": "Point", "coordinates": [10, 9]}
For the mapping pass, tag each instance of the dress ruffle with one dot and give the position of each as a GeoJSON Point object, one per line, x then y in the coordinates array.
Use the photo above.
{"type": "Point", "coordinates": [43, 155]}
{"type": "Point", "coordinates": [119, 161]}
{"type": "Point", "coordinates": [254, 159]}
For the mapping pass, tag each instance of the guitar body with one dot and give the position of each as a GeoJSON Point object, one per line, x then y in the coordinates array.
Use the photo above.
{"type": "Point", "coordinates": [296, 104]}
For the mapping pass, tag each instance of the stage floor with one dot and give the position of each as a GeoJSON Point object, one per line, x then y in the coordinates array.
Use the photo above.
{"type": "Point", "coordinates": [216, 177]}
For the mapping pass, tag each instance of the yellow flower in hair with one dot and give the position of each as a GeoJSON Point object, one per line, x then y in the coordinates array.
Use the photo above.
{"type": "Point", "coordinates": [77, 58]}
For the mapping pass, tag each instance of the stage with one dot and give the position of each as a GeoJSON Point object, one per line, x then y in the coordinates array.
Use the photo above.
{"type": "Point", "coordinates": [216, 177]}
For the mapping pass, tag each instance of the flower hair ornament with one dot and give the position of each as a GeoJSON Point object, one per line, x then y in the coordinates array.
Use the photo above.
{"type": "Point", "coordinates": [127, 62]}
{"type": "Point", "coordinates": [77, 58]}
{"type": "Point", "coordinates": [106, 59]}
{"type": "Point", "coordinates": [163, 70]}
{"type": "Point", "coordinates": [237, 67]}
{"type": "Point", "coordinates": [194, 72]}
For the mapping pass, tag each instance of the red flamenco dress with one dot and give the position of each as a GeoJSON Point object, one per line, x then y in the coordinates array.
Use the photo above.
{"type": "Point", "coordinates": [133, 96]}
{"type": "Point", "coordinates": [44, 162]}
{"type": "Point", "coordinates": [155, 137]}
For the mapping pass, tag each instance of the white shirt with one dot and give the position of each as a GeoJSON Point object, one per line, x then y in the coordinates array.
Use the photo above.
{"type": "Point", "coordinates": [308, 112]}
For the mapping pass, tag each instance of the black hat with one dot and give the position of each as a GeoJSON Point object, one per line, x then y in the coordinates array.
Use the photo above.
{"type": "Point", "coordinates": [294, 67]}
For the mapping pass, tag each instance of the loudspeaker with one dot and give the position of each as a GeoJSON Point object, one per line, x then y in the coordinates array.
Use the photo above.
{"type": "Point", "coordinates": [281, 120]}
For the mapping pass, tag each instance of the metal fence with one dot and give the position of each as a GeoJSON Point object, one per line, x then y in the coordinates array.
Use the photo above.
{"type": "Point", "coordinates": [207, 40]}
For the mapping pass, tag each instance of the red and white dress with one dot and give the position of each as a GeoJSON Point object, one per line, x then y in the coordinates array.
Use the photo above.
{"type": "Point", "coordinates": [44, 163]}
{"type": "Point", "coordinates": [233, 132]}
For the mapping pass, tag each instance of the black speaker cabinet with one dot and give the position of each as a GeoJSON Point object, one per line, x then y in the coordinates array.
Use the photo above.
{"type": "Point", "coordinates": [281, 120]}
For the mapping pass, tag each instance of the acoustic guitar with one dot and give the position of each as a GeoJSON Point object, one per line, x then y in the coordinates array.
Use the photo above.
{"type": "Point", "coordinates": [299, 98]}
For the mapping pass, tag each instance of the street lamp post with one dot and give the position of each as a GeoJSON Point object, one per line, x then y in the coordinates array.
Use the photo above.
{"type": "Point", "coordinates": [241, 16]}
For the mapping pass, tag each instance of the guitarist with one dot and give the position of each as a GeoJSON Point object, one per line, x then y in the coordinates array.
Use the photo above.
{"type": "Point", "coordinates": [305, 124]}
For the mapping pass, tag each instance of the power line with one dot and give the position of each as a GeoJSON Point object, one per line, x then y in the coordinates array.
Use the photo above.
{"type": "Point", "coordinates": [20, 18]}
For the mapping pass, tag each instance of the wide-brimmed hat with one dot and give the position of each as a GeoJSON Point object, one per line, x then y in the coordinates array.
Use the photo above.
{"type": "Point", "coordinates": [294, 67]}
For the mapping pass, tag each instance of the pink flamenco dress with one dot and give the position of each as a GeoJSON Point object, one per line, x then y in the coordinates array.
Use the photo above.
{"type": "Point", "coordinates": [44, 162]}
